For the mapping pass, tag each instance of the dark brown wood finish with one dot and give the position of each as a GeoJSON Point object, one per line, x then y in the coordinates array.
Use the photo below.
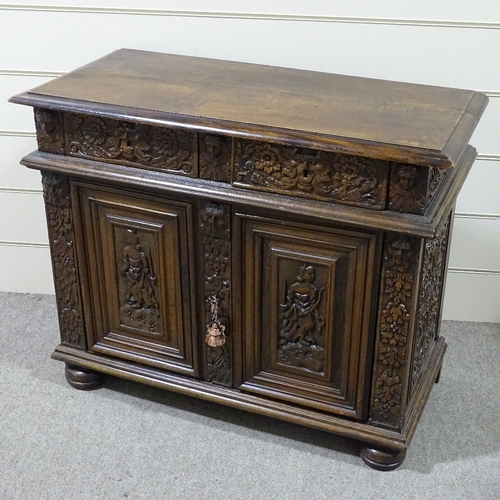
{"type": "Point", "coordinates": [269, 239]}
{"type": "Point", "coordinates": [304, 342]}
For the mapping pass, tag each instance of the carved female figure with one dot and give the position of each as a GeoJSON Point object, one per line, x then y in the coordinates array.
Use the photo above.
{"type": "Point", "coordinates": [301, 321]}
{"type": "Point", "coordinates": [138, 273]}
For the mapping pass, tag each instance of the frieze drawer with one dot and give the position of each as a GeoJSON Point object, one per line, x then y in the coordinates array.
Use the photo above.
{"type": "Point", "coordinates": [320, 175]}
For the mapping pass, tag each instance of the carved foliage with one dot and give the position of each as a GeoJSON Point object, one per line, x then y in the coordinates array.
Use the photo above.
{"type": "Point", "coordinates": [215, 157]}
{"type": "Point", "coordinates": [170, 150]}
{"type": "Point", "coordinates": [433, 271]}
{"type": "Point", "coordinates": [215, 232]}
{"type": "Point", "coordinates": [56, 192]}
{"type": "Point", "coordinates": [436, 176]}
{"type": "Point", "coordinates": [397, 291]}
{"type": "Point", "coordinates": [301, 342]}
{"type": "Point", "coordinates": [49, 131]}
{"type": "Point", "coordinates": [138, 287]}
{"type": "Point", "coordinates": [408, 189]}
{"type": "Point", "coordinates": [318, 174]}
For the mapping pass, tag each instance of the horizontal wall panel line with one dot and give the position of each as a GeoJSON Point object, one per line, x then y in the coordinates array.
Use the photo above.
{"type": "Point", "coordinates": [22, 72]}
{"type": "Point", "coordinates": [465, 215]}
{"type": "Point", "coordinates": [13, 190]}
{"type": "Point", "coordinates": [251, 15]}
{"type": "Point", "coordinates": [488, 157]}
{"type": "Point", "coordinates": [459, 270]}
{"type": "Point", "coordinates": [23, 244]}
{"type": "Point", "coordinates": [16, 133]}
{"type": "Point", "coordinates": [493, 95]}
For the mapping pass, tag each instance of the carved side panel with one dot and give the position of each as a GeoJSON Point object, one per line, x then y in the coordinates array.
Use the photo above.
{"type": "Point", "coordinates": [301, 334]}
{"type": "Point", "coordinates": [215, 157]}
{"type": "Point", "coordinates": [436, 177]}
{"type": "Point", "coordinates": [50, 131]}
{"type": "Point", "coordinates": [347, 179]}
{"type": "Point", "coordinates": [168, 150]}
{"type": "Point", "coordinates": [56, 192]}
{"type": "Point", "coordinates": [215, 234]}
{"type": "Point", "coordinates": [431, 292]}
{"type": "Point", "coordinates": [408, 189]}
{"type": "Point", "coordinates": [396, 318]}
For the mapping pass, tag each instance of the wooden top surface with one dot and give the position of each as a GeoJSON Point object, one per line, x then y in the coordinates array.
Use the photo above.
{"type": "Point", "coordinates": [389, 120]}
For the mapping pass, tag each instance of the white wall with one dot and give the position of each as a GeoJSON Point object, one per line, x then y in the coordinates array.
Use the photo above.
{"type": "Point", "coordinates": [436, 42]}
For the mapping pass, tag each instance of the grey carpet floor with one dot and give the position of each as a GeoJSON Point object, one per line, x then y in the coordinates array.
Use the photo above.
{"type": "Point", "coordinates": [130, 441]}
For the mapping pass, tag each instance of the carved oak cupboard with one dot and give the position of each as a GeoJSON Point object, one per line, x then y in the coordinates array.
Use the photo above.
{"type": "Point", "coordinates": [270, 239]}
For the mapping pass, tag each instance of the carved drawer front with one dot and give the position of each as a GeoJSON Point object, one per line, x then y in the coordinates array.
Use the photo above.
{"type": "Point", "coordinates": [139, 276]}
{"type": "Point", "coordinates": [128, 143]}
{"type": "Point", "coordinates": [306, 301]}
{"type": "Point", "coordinates": [341, 178]}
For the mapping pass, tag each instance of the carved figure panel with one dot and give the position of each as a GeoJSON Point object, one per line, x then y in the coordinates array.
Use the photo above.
{"type": "Point", "coordinates": [215, 235]}
{"type": "Point", "coordinates": [56, 191]}
{"type": "Point", "coordinates": [396, 315]}
{"type": "Point", "coordinates": [301, 335]}
{"type": "Point", "coordinates": [215, 157]}
{"type": "Point", "coordinates": [408, 189]}
{"type": "Point", "coordinates": [169, 150]}
{"type": "Point", "coordinates": [138, 284]}
{"type": "Point", "coordinates": [431, 287]}
{"type": "Point", "coordinates": [50, 131]}
{"type": "Point", "coordinates": [140, 277]}
{"type": "Point", "coordinates": [348, 179]}
{"type": "Point", "coordinates": [306, 303]}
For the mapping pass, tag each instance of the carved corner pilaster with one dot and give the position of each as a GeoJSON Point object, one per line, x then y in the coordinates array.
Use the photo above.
{"type": "Point", "coordinates": [56, 192]}
{"type": "Point", "coordinates": [215, 235]}
{"type": "Point", "coordinates": [50, 131]}
{"type": "Point", "coordinates": [396, 320]}
{"type": "Point", "coordinates": [430, 298]}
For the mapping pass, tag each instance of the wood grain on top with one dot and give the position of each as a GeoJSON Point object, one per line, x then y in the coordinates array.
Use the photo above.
{"type": "Point", "coordinates": [391, 120]}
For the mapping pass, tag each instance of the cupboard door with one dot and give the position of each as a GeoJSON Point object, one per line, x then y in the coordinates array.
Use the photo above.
{"type": "Point", "coordinates": [306, 303]}
{"type": "Point", "coordinates": [139, 274]}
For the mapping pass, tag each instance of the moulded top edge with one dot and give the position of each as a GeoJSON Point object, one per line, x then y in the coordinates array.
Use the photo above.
{"type": "Point", "coordinates": [404, 122]}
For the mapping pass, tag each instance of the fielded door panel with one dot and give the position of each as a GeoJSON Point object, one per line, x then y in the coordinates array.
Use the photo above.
{"type": "Point", "coordinates": [306, 303]}
{"type": "Point", "coordinates": [139, 273]}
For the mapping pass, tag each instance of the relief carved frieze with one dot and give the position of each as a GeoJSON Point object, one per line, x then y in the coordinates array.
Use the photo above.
{"type": "Point", "coordinates": [431, 285]}
{"type": "Point", "coordinates": [215, 234]}
{"type": "Point", "coordinates": [348, 179]}
{"type": "Point", "coordinates": [436, 177]}
{"type": "Point", "coordinates": [138, 285]}
{"type": "Point", "coordinates": [395, 321]}
{"type": "Point", "coordinates": [169, 150]}
{"type": "Point", "coordinates": [408, 189]}
{"type": "Point", "coordinates": [301, 335]}
{"type": "Point", "coordinates": [215, 157]}
{"type": "Point", "coordinates": [56, 192]}
{"type": "Point", "coordinates": [49, 131]}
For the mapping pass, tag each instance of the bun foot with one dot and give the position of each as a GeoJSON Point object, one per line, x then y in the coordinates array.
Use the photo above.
{"type": "Point", "coordinates": [381, 459]}
{"type": "Point", "coordinates": [83, 378]}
